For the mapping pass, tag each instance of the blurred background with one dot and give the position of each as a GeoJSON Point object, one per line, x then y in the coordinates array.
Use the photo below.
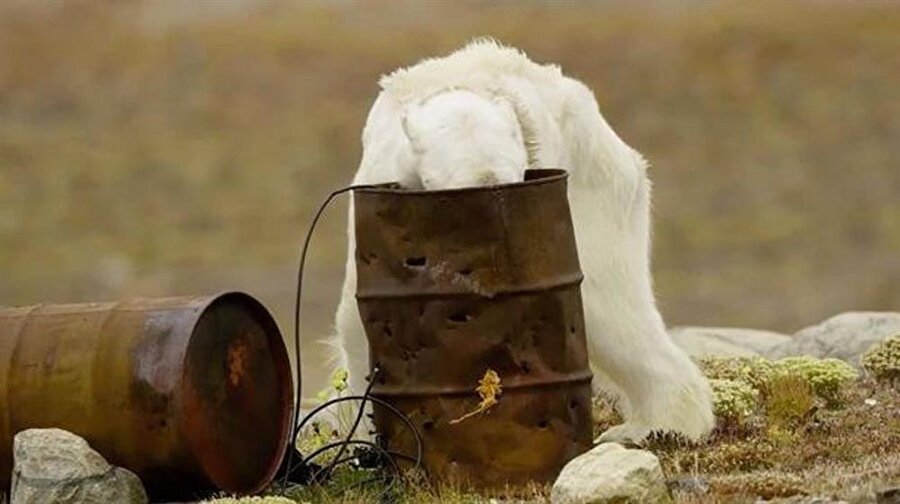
{"type": "Point", "coordinates": [164, 148]}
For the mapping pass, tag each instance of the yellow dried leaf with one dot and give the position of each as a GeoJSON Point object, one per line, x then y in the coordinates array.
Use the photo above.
{"type": "Point", "coordinates": [489, 389]}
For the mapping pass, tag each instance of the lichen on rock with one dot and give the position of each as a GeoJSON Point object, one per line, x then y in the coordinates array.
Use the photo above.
{"type": "Point", "coordinates": [53, 465]}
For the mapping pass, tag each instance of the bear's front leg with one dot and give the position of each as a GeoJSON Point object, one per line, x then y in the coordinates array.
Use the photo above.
{"type": "Point", "coordinates": [656, 385]}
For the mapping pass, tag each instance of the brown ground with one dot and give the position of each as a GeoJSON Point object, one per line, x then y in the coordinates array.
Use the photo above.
{"type": "Point", "coordinates": [848, 452]}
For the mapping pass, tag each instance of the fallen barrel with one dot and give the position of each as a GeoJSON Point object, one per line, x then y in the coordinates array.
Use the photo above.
{"type": "Point", "coordinates": [191, 393]}
{"type": "Point", "coordinates": [455, 283]}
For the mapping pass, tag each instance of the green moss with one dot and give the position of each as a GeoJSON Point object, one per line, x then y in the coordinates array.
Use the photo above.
{"type": "Point", "coordinates": [733, 401]}
{"type": "Point", "coordinates": [754, 371]}
{"type": "Point", "coordinates": [882, 361]}
{"type": "Point", "coordinates": [827, 377]}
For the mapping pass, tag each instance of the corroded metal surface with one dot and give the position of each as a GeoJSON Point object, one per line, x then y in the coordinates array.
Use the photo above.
{"type": "Point", "coordinates": [190, 393]}
{"type": "Point", "coordinates": [453, 283]}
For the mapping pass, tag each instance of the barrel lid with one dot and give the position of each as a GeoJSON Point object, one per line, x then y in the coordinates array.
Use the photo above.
{"type": "Point", "coordinates": [236, 394]}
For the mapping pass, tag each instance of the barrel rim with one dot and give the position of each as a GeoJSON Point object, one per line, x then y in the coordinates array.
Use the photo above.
{"type": "Point", "coordinates": [543, 176]}
{"type": "Point", "coordinates": [283, 365]}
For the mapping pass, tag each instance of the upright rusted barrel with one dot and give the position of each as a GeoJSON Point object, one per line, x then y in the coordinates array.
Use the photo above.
{"type": "Point", "coordinates": [190, 393]}
{"type": "Point", "coordinates": [453, 283]}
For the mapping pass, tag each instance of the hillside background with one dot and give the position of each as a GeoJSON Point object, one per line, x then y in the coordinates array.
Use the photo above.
{"type": "Point", "coordinates": [165, 148]}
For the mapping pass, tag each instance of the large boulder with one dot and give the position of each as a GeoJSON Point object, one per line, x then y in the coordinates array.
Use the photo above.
{"type": "Point", "coordinates": [726, 341]}
{"type": "Point", "coordinates": [846, 336]}
{"type": "Point", "coordinates": [611, 473]}
{"type": "Point", "coordinates": [52, 465]}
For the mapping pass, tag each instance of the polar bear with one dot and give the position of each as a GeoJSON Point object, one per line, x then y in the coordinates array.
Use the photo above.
{"type": "Point", "coordinates": [485, 114]}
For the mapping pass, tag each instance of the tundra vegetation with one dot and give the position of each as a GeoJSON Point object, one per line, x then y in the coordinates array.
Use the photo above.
{"type": "Point", "coordinates": [883, 360]}
{"type": "Point", "coordinates": [785, 428]}
{"type": "Point", "coordinates": [158, 148]}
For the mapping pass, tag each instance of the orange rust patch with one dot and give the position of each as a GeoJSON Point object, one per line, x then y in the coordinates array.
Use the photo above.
{"type": "Point", "coordinates": [238, 358]}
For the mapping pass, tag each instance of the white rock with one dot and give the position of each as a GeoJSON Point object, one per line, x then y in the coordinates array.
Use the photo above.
{"type": "Point", "coordinates": [610, 473]}
{"type": "Point", "coordinates": [726, 341]}
{"type": "Point", "coordinates": [52, 465]}
{"type": "Point", "coordinates": [846, 336]}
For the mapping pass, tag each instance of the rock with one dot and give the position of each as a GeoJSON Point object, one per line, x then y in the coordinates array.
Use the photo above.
{"type": "Point", "coordinates": [846, 336]}
{"type": "Point", "coordinates": [52, 465]}
{"type": "Point", "coordinates": [888, 496]}
{"type": "Point", "coordinates": [688, 485]}
{"type": "Point", "coordinates": [611, 473]}
{"type": "Point", "coordinates": [726, 341]}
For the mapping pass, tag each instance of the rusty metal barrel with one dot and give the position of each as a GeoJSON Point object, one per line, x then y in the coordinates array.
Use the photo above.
{"type": "Point", "coordinates": [191, 393]}
{"type": "Point", "coordinates": [453, 283]}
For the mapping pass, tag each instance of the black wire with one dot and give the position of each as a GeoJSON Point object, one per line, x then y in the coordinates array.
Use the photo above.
{"type": "Point", "coordinates": [309, 233]}
{"type": "Point", "coordinates": [359, 415]}
{"type": "Point", "coordinates": [381, 402]}
{"type": "Point", "coordinates": [298, 426]}
{"type": "Point", "coordinates": [344, 444]}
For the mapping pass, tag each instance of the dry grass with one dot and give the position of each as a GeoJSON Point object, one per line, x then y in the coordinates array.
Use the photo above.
{"type": "Point", "coordinates": [788, 401]}
{"type": "Point", "coordinates": [849, 452]}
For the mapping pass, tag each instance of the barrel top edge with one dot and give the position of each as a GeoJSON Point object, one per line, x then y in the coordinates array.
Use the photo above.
{"type": "Point", "coordinates": [552, 175]}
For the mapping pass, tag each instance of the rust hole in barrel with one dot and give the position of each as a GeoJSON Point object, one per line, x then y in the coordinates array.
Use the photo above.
{"type": "Point", "coordinates": [416, 261]}
{"type": "Point", "coordinates": [428, 425]}
{"type": "Point", "coordinates": [460, 317]}
{"type": "Point", "coordinates": [465, 271]}
{"type": "Point", "coordinates": [543, 424]}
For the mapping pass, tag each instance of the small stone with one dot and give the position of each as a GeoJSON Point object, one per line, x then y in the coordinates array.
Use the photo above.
{"type": "Point", "coordinates": [688, 484]}
{"type": "Point", "coordinates": [52, 465]}
{"type": "Point", "coordinates": [888, 496]}
{"type": "Point", "coordinates": [611, 473]}
{"type": "Point", "coordinates": [871, 402]}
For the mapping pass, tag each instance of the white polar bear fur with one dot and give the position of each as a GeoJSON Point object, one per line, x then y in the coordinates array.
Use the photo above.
{"type": "Point", "coordinates": [484, 114]}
